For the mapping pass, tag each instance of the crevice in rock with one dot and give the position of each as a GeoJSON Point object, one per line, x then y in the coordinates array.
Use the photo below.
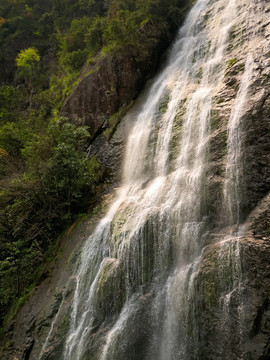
{"type": "Point", "coordinates": [27, 352]}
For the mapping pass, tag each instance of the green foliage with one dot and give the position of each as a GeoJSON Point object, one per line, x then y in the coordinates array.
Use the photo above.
{"type": "Point", "coordinates": [58, 161]}
{"type": "Point", "coordinates": [10, 138]}
{"type": "Point", "coordinates": [27, 61]}
{"type": "Point", "coordinates": [55, 177]}
{"type": "Point", "coordinates": [72, 52]}
{"type": "Point", "coordinates": [27, 58]}
{"type": "Point", "coordinates": [122, 30]}
{"type": "Point", "coordinates": [10, 100]}
{"type": "Point", "coordinates": [39, 201]}
{"type": "Point", "coordinates": [94, 35]}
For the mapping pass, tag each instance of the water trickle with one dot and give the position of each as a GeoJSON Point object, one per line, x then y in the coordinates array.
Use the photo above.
{"type": "Point", "coordinates": [230, 247]}
{"type": "Point", "coordinates": [233, 189]}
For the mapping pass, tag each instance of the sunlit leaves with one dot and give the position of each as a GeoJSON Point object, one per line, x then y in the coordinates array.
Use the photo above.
{"type": "Point", "coordinates": [27, 58]}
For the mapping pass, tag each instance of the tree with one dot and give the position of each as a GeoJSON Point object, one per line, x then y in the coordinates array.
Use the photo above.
{"type": "Point", "coordinates": [27, 61]}
{"type": "Point", "coordinates": [10, 104]}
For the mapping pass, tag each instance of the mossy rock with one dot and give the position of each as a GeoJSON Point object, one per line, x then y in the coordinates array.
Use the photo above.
{"type": "Point", "coordinates": [232, 62]}
{"type": "Point", "coordinates": [214, 119]}
{"type": "Point", "coordinates": [177, 131]}
{"type": "Point", "coordinates": [110, 291]}
{"type": "Point", "coordinates": [143, 254]}
{"type": "Point", "coordinates": [233, 68]}
{"type": "Point", "coordinates": [218, 273]}
{"type": "Point", "coordinates": [218, 140]}
{"type": "Point", "coordinates": [65, 324]}
{"type": "Point", "coordinates": [199, 74]}
{"type": "Point", "coordinates": [115, 119]}
{"type": "Point", "coordinates": [163, 104]}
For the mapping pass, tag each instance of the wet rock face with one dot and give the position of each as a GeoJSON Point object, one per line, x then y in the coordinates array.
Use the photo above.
{"type": "Point", "coordinates": [254, 123]}
{"type": "Point", "coordinates": [255, 148]}
{"type": "Point", "coordinates": [241, 330]}
{"type": "Point", "coordinates": [257, 141]}
{"type": "Point", "coordinates": [245, 315]}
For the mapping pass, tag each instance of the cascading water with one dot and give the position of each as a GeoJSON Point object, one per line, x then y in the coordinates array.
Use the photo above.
{"type": "Point", "coordinates": [147, 250]}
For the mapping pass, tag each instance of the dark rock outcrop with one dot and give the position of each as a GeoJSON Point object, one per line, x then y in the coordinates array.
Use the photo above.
{"type": "Point", "coordinates": [113, 82]}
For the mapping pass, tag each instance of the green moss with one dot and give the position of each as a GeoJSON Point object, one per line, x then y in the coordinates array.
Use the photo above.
{"type": "Point", "coordinates": [89, 73]}
{"type": "Point", "coordinates": [231, 62]}
{"type": "Point", "coordinates": [176, 135]}
{"type": "Point", "coordinates": [18, 303]}
{"type": "Point", "coordinates": [177, 131]}
{"type": "Point", "coordinates": [238, 33]}
{"type": "Point", "coordinates": [220, 101]}
{"type": "Point", "coordinates": [209, 280]}
{"type": "Point", "coordinates": [217, 275]}
{"type": "Point", "coordinates": [218, 148]}
{"type": "Point", "coordinates": [240, 68]}
{"type": "Point", "coordinates": [120, 227]}
{"type": "Point", "coordinates": [163, 104]}
{"type": "Point", "coordinates": [199, 74]}
{"type": "Point", "coordinates": [65, 323]}
{"type": "Point", "coordinates": [112, 123]}
{"type": "Point", "coordinates": [236, 69]}
{"type": "Point", "coordinates": [110, 292]}
{"type": "Point", "coordinates": [139, 251]}
{"type": "Point", "coordinates": [214, 119]}
{"type": "Point", "coordinates": [96, 169]}
{"type": "Point", "coordinates": [115, 119]}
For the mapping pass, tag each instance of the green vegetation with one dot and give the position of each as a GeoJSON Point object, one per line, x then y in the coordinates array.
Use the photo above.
{"type": "Point", "coordinates": [27, 61]}
{"type": "Point", "coordinates": [232, 62]}
{"type": "Point", "coordinates": [163, 105]}
{"type": "Point", "coordinates": [114, 120]}
{"type": "Point", "coordinates": [45, 177]}
{"type": "Point", "coordinates": [70, 33]}
{"type": "Point", "coordinates": [45, 180]}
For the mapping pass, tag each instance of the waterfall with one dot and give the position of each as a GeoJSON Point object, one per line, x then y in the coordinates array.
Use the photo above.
{"type": "Point", "coordinates": [145, 255]}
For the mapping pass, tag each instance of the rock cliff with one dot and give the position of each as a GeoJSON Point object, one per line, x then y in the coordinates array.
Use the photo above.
{"type": "Point", "coordinates": [114, 81]}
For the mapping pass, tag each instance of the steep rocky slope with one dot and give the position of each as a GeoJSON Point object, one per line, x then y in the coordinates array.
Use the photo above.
{"type": "Point", "coordinates": [113, 82]}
